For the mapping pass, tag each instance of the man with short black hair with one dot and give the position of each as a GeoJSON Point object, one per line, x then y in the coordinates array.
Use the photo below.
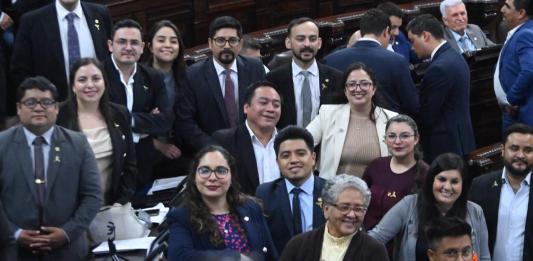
{"type": "Point", "coordinates": [506, 198]}
{"type": "Point", "coordinates": [398, 41]}
{"type": "Point", "coordinates": [449, 238]}
{"type": "Point", "coordinates": [444, 118]}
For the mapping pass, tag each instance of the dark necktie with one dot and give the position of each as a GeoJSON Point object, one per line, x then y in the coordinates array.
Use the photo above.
{"type": "Point", "coordinates": [72, 39]}
{"type": "Point", "coordinates": [229, 98]}
{"type": "Point", "coordinates": [296, 211]}
{"type": "Point", "coordinates": [39, 172]}
{"type": "Point", "coordinates": [307, 104]}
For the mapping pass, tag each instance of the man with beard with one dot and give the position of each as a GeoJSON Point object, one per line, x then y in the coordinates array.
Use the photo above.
{"type": "Point", "coordinates": [213, 95]}
{"type": "Point", "coordinates": [506, 198]}
{"type": "Point", "coordinates": [305, 84]}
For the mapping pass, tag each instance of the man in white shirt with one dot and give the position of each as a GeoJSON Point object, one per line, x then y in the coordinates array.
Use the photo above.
{"type": "Point", "coordinates": [506, 198]}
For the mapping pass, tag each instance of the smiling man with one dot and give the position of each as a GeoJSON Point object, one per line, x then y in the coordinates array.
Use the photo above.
{"type": "Point", "coordinates": [461, 35]}
{"type": "Point", "coordinates": [291, 203]}
{"type": "Point", "coordinates": [506, 198]}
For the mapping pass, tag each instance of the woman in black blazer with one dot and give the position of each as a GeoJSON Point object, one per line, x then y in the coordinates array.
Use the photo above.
{"type": "Point", "coordinates": [107, 126]}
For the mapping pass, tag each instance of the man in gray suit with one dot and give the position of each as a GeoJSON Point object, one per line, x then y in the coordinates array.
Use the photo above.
{"type": "Point", "coordinates": [49, 181]}
{"type": "Point", "coordinates": [460, 35]}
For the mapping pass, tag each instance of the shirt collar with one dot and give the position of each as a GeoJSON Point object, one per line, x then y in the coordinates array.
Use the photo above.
{"type": "Point", "coordinates": [62, 12]}
{"type": "Point", "coordinates": [120, 72]}
{"type": "Point", "coordinates": [369, 39]}
{"type": "Point", "coordinates": [220, 69]}
{"type": "Point", "coordinates": [457, 36]}
{"type": "Point", "coordinates": [252, 134]}
{"type": "Point", "coordinates": [436, 49]}
{"type": "Point", "coordinates": [313, 69]}
{"type": "Point", "coordinates": [338, 240]}
{"type": "Point", "coordinates": [30, 136]}
{"type": "Point", "coordinates": [526, 181]}
{"type": "Point", "coordinates": [307, 187]}
{"type": "Point", "coordinates": [512, 31]}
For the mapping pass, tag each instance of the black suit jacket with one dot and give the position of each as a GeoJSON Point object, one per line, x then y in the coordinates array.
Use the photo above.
{"type": "Point", "coordinates": [278, 211]}
{"type": "Point", "coordinates": [38, 50]}
{"type": "Point", "coordinates": [330, 81]}
{"type": "Point", "coordinates": [485, 191]}
{"type": "Point", "coordinates": [239, 143]}
{"type": "Point", "coordinates": [201, 110]}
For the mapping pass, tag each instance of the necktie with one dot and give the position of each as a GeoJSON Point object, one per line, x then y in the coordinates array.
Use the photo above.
{"type": "Point", "coordinates": [72, 39]}
{"type": "Point", "coordinates": [307, 105]}
{"type": "Point", "coordinates": [229, 98]}
{"type": "Point", "coordinates": [39, 172]}
{"type": "Point", "coordinates": [463, 44]}
{"type": "Point", "coordinates": [296, 211]}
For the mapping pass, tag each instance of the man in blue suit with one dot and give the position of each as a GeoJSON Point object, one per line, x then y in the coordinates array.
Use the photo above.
{"type": "Point", "coordinates": [292, 203]}
{"type": "Point", "coordinates": [398, 41]}
{"type": "Point", "coordinates": [513, 77]}
{"type": "Point", "coordinates": [395, 84]}
{"type": "Point", "coordinates": [444, 118]}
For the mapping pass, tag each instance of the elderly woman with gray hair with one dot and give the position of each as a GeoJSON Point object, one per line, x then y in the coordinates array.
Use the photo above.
{"type": "Point", "coordinates": [345, 199]}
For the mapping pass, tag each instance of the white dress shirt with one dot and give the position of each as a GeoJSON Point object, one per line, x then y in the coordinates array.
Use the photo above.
{"type": "Point", "coordinates": [501, 96]}
{"type": "Point", "coordinates": [314, 83]}
{"type": "Point", "coordinates": [512, 213]}
{"type": "Point", "coordinates": [469, 43]}
{"type": "Point", "coordinates": [436, 49]}
{"type": "Point", "coordinates": [265, 157]}
{"type": "Point", "coordinates": [306, 201]}
{"type": "Point", "coordinates": [84, 34]}
{"type": "Point", "coordinates": [222, 79]}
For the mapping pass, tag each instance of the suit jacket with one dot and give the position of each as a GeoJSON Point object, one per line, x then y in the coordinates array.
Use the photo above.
{"type": "Point", "coordinates": [330, 82]}
{"type": "Point", "coordinates": [239, 144]}
{"type": "Point", "coordinates": [444, 122]}
{"type": "Point", "coordinates": [72, 196]}
{"type": "Point", "coordinates": [124, 163]}
{"type": "Point", "coordinates": [185, 243]}
{"type": "Point", "coordinates": [308, 246]}
{"type": "Point", "coordinates": [38, 53]}
{"type": "Point", "coordinates": [278, 211]}
{"type": "Point", "coordinates": [329, 129]}
{"type": "Point", "coordinates": [201, 110]}
{"type": "Point", "coordinates": [485, 191]}
{"type": "Point", "coordinates": [392, 72]}
{"type": "Point", "coordinates": [402, 46]}
{"type": "Point", "coordinates": [474, 33]}
{"type": "Point", "coordinates": [516, 76]}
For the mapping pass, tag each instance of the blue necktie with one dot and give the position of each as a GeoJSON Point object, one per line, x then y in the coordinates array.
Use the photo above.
{"type": "Point", "coordinates": [73, 41]}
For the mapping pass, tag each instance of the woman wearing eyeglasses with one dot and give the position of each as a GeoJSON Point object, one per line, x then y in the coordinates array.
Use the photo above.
{"type": "Point", "coordinates": [444, 193]}
{"type": "Point", "coordinates": [350, 133]}
{"type": "Point", "coordinates": [393, 177]}
{"type": "Point", "coordinates": [216, 221]}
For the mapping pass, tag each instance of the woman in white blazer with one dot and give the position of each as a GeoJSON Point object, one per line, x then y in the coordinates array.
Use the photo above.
{"type": "Point", "coordinates": [358, 116]}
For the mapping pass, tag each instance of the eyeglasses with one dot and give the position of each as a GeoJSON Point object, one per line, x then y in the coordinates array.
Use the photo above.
{"type": "Point", "coordinates": [453, 254]}
{"type": "Point", "coordinates": [364, 85]}
{"type": "Point", "coordinates": [221, 41]}
{"type": "Point", "coordinates": [403, 136]}
{"type": "Point", "coordinates": [205, 172]}
{"type": "Point", "coordinates": [32, 103]}
{"type": "Point", "coordinates": [345, 209]}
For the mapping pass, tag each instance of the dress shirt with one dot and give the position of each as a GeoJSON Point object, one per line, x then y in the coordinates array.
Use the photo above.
{"type": "Point", "coordinates": [334, 248]}
{"type": "Point", "coordinates": [30, 137]}
{"type": "Point", "coordinates": [265, 157]}
{"type": "Point", "coordinates": [306, 201]}
{"type": "Point", "coordinates": [298, 80]}
{"type": "Point", "coordinates": [436, 49]}
{"type": "Point", "coordinates": [469, 43]}
{"type": "Point", "coordinates": [512, 214]}
{"type": "Point", "coordinates": [84, 34]}
{"type": "Point", "coordinates": [234, 77]}
{"type": "Point", "coordinates": [501, 96]}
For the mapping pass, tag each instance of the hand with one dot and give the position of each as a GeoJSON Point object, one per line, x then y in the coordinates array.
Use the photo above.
{"type": "Point", "coordinates": [54, 237]}
{"type": "Point", "coordinates": [155, 111]}
{"type": "Point", "coordinates": [30, 239]}
{"type": "Point", "coordinates": [6, 22]}
{"type": "Point", "coordinates": [169, 150]}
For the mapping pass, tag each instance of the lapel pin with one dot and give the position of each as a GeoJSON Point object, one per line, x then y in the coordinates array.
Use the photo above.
{"type": "Point", "coordinates": [56, 159]}
{"type": "Point", "coordinates": [265, 249]}
{"type": "Point", "coordinates": [495, 184]}
{"type": "Point", "coordinates": [57, 149]}
{"type": "Point", "coordinates": [116, 125]}
{"type": "Point", "coordinates": [246, 218]}
{"type": "Point", "coordinates": [319, 202]}
{"type": "Point", "coordinates": [326, 80]}
{"type": "Point", "coordinates": [145, 87]}
{"type": "Point", "coordinates": [97, 24]}
{"type": "Point", "coordinates": [392, 194]}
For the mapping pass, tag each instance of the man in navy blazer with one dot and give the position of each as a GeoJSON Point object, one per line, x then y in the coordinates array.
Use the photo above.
{"type": "Point", "coordinates": [39, 48]}
{"type": "Point", "coordinates": [395, 84]}
{"type": "Point", "coordinates": [296, 160]}
{"type": "Point", "coordinates": [444, 119]}
{"type": "Point", "coordinates": [202, 109]}
{"type": "Point", "coordinates": [513, 77]}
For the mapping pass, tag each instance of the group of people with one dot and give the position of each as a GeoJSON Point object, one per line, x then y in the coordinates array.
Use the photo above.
{"type": "Point", "coordinates": [312, 160]}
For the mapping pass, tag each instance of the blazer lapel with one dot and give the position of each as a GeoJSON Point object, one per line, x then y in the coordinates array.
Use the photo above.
{"type": "Point", "coordinates": [25, 160]}
{"type": "Point", "coordinates": [51, 27]}
{"type": "Point", "coordinates": [97, 29]}
{"type": "Point", "coordinates": [323, 81]}
{"type": "Point", "coordinates": [289, 101]}
{"type": "Point", "coordinates": [381, 122]}
{"type": "Point", "coordinates": [318, 213]}
{"type": "Point", "coordinates": [282, 196]}
{"type": "Point", "coordinates": [244, 80]}
{"type": "Point", "coordinates": [340, 124]}
{"type": "Point", "coordinates": [211, 78]}
{"type": "Point", "coordinates": [141, 92]}
{"type": "Point", "coordinates": [54, 159]}
{"type": "Point", "coordinates": [245, 148]}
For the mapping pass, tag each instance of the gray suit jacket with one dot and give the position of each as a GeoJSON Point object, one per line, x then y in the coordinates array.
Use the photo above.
{"type": "Point", "coordinates": [72, 196]}
{"type": "Point", "coordinates": [474, 33]}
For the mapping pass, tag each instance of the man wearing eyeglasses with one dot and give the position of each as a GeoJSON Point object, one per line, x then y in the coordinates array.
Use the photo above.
{"type": "Point", "coordinates": [49, 181]}
{"type": "Point", "coordinates": [449, 239]}
{"type": "Point", "coordinates": [213, 95]}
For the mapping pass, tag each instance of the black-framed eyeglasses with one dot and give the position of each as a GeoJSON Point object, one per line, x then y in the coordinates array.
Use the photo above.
{"type": "Point", "coordinates": [352, 85]}
{"type": "Point", "coordinates": [32, 103]}
{"type": "Point", "coordinates": [453, 254]}
{"type": "Point", "coordinates": [205, 172]}
{"type": "Point", "coordinates": [221, 41]}
{"type": "Point", "coordinates": [402, 136]}
{"type": "Point", "coordinates": [345, 208]}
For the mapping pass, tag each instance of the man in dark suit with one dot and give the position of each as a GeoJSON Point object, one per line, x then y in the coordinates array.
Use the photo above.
{"type": "Point", "coordinates": [292, 203]}
{"type": "Point", "coordinates": [301, 100]}
{"type": "Point", "coordinates": [513, 77]}
{"type": "Point", "coordinates": [53, 37]}
{"type": "Point", "coordinates": [506, 198]}
{"type": "Point", "coordinates": [141, 90]}
{"type": "Point", "coordinates": [49, 181]}
{"type": "Point", "coordinates": [444, 119]}
{"type": "Point", "coordinates": [213, 95]}
{"type": "Point", "coordinates": [398, 41]}
{"type": "Point", "coordinates": [252, 142]}
{"type": "Point", "coordinates": [395, 84]}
